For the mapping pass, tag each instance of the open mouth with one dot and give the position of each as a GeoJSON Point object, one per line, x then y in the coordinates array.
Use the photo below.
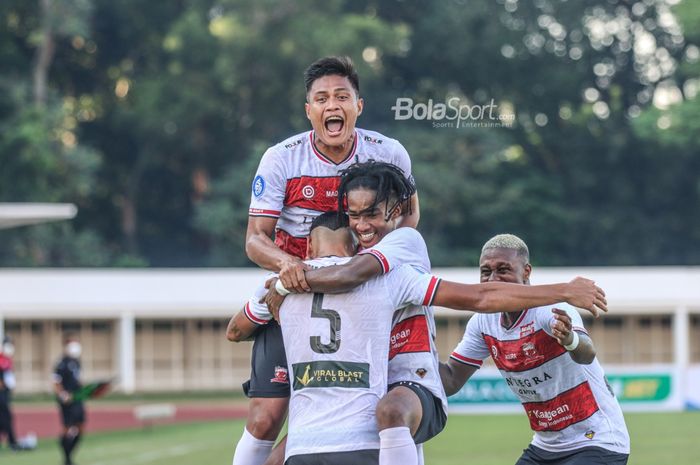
{"type": "Point", "coordinates": [367, 237]}
{"type": "Point", "coordinates": [334, 125]}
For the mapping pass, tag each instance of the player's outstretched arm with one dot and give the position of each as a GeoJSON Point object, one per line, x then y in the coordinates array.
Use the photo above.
{"type": "Point", "coordinates": [240, 327]}
{"type": "Point", "coordinates": [507, 297]}
{"type": "Point", "coordinates": [454, 375]}
{"type": "Point", "coordinates": [343, 278]}
{"type": "Point", "coordinates": [264, 253]}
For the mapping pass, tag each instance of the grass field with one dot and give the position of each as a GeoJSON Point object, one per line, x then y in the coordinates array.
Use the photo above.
{"type": "Point", "coordinates": [659, 438]}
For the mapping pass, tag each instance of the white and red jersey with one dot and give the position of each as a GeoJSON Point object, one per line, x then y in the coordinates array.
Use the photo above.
{"type": "Point", "coordinates": [413, 355]}
{"type": "Point", "coordinates": [569, 405]}
{"type": "Point", "coordinates": [337, 356]}
{"type": "Point", "coordinates": [296, 183]}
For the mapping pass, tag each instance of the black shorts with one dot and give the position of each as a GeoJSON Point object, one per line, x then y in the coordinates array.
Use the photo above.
{"type": "Point", "coordinates": [354, 457]}
{"type": "Point", "coordinates": [72, 414]}
{"type": "Point", "coordinates": [584, 456]}
{"type": "Point", "coordinates": [268, 372]}
{"type": "Point", "coordinates": [434, 417]}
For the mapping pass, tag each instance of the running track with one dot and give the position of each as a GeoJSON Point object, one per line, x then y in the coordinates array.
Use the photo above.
{"type": "Point", "coordinates": [44, 420]}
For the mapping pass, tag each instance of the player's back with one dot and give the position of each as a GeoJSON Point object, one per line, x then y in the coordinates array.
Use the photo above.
{"type": "Point", "coordinates": [337, 351]}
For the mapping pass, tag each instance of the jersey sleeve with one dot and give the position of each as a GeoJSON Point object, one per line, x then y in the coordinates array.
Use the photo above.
{"type": "Point", "coordinates": [397, 248]}
{"type": "Point", "coordinates": [409, 286]}
{"type": "Point", "coordinates": [402, 160]}
{"type": "Point", "coordinates": [255, 311]}
{"type": "Point", "coordinates": [545, 318]}
{"type": "Point", "coordinates": [471, 350]}
{"type": "Point", "coordinates": [269, 185]}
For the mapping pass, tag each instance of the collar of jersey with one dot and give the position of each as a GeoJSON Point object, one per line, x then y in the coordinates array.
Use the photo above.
{"type": "Point", "coordinates": [324, 158]}
{"type": "Point", "coordinates": [516, 323]}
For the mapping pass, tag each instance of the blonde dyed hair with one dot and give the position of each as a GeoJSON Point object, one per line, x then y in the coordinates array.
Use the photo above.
{"type": "Point", "coordinates": [508, 241]}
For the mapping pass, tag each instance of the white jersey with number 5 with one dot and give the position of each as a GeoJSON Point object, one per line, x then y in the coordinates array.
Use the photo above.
{"type": "Point", "coordinates": [337, 354]}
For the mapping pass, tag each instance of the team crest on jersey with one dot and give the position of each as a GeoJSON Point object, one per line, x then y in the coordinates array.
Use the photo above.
{"type": "Point", "coordinates": [531, 353]}
{"type": "Point", "coordinates": [258, 186]}
{"type": "Point", "coordinates": [589, 434]}
{"type": "Point", "coordinates": [281, 375]}
{"type": "Point", "coordinates": [526, 330]}
{"type": "Point", "coordinates": [421, 372]}
{"type": "Point", "coordinates": [308, 191]}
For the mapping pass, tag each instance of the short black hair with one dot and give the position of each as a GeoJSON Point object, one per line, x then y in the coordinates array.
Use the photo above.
{"type": "Point", "coordinates": [387, 180]}
{"type": "Point", "coordinates": [331, 220]}
{"type": "Point", "coordinates": [332, 66]}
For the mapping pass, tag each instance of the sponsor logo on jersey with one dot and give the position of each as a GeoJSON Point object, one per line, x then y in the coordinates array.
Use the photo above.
{"type": "Point", "coordinates": [526, 330]}
{"type": "Point", "coordinates": [281, 375]}
{"type": "Point", "coordinates": [325, 373]}
{"type": "Point", "coordinates": [421, 372]}
{"type": "Point", "coordinates": [373, 140]}
{"type": "Point", "coordinates": [308, 191]}
{"type": "Point", "coordinates": [569, 407]}
{"type": "Point", "coordinates": [292, 144]}
{"type": "Point", "coordinates": [258, 186]}
{"type": "Point", "coordinates": [494, 352]}
{"type": "Point", "coordinates": [523, 386]}
{"type": "Point", "coordinates": [410, 335]}
{"type": "Point", "coordinates": [589, 434]}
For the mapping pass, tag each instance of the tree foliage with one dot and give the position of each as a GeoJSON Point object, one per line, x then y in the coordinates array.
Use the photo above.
{"type": "Point", "coordinates": [155, 115]}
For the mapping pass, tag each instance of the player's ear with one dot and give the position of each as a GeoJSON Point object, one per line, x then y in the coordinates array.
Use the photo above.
{"type": "Point", "coordinates": [360, 105]}
{"type": "Point", "coordinates": [308, 248]}
{"type": "Point", "coordinates": [307, 109]}
{"type": "Point", "coordinates": [527, 269]}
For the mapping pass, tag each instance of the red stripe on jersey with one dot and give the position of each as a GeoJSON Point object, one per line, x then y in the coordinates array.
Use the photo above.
{"type": "Point", "coordinates": [467, 360]}
{"type": "Point", "coordinates": [379, 256]}
{"type": "Point", "coordinates": [410, 335]}
{"type": "Point", "coordinates": [313, 193]}
{"type": "Point", "coordinates": [566, 409]}
{"type": "Point", "coordinates": [432, 289]}
{"type": "Point", "coordinates": [292, 245]}
{"type": "Point", "coordinates": [324, 158]}
{"type": "Point", "coordinates": [251, 317]}
{"type": "Point", "coordinates": [524, 353]}
{"type": "Point", "coordinates": [263, 212]}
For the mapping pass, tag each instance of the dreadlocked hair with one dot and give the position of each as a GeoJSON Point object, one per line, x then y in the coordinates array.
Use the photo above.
{"type": "Point", "coordinates": [386, 180]}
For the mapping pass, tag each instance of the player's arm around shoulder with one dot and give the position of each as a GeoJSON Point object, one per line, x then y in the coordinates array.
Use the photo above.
{"type": "Point", "coordinates": [337, 279]}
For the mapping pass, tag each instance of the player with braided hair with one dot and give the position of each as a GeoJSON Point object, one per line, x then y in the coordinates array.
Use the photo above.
{"type": "Point", "coordinates": [388, 181]}
{"type": "Point", "coordinates": [414, 410]}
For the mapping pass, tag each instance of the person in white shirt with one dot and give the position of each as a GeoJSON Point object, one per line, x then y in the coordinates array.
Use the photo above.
{"type": "Point", "coordinates": [549, 362]}
{"type": "Point", "coordinates": [374, 195]}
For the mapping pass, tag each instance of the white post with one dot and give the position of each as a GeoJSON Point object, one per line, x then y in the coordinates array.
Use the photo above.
{"type": "Point", "coordinates": [126, 357]}
{"type": "Point", "coordinates": [2, 328]}
{"type": "Point", "coordinates": [681, 350]}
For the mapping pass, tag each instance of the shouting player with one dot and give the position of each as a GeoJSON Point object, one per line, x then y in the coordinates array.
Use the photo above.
{"type": "Point", "coordinates": [415, 407]}
{"type": "Point", "coordinates": [549, 362]}
{"type": "Point", "coordinates": [296, 181]}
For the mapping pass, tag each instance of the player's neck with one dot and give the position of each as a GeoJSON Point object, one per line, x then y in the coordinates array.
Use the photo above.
{"type": "Point", "coordinates": [335, 153]}
{"type": "Point", "coordinates": [508, 319]}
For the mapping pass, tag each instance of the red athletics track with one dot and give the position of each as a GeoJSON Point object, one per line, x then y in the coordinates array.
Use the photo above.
{"type": "Point", "coordinates": [44, 420]}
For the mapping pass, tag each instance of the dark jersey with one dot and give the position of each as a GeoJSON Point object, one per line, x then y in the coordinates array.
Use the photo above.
{"type": "Point", "coordinates": [67, 373]}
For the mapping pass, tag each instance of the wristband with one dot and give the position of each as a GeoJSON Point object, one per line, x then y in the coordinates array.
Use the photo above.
{"type": "Point", "coordinates": [574, 344]}
{"type": "Point", "coordinates": [281, 290]}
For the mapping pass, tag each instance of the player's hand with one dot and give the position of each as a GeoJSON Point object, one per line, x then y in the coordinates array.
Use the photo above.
{"type": "Point", "coordinates": [292, 276]}
{"type": "Point", "coordinates": [561, 327]}
{"type": "Point", "coordinates": [65, 397]}
{"type": "Point", "coordinates": [272, 299]}
{"type": "Point", "coordinates": [583, 293]}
